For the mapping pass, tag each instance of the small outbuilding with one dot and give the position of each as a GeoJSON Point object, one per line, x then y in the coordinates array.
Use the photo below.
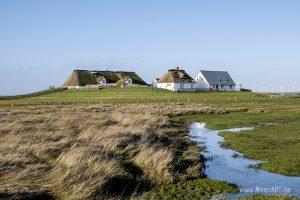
{"type": "Point", "coordinates": [176, 80]}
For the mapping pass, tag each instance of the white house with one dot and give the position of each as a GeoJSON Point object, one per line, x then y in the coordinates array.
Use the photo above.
{"type": "Point", "coordinates": [214, 80]}
{"type": "Point", "coordinates": [176, 80]}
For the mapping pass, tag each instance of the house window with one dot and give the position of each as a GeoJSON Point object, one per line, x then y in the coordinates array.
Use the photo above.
{"type": "Point", "coordinates": [231, 87]}
{"type": "Point", "coordinates": [181, 86]}
{"type": "Point", "coordinates": [192, 86]}
{"type": "Point", "coordinates": [168, 84]}
{"type": "Point", "coordinates": [222, 86]}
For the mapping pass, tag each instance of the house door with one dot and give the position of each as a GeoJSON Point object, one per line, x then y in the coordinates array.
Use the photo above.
{"type": "Point", "coordinates": [217, 87]}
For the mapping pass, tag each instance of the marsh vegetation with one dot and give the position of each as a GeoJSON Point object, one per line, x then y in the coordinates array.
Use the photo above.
{"type": "Point", "coordinates": [133, 142]}
{"type": "Point", "coordinates": [111, 151]}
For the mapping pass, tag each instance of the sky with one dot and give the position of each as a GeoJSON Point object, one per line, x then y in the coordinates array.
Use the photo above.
{"type": "Point", "coordinates": [43, 41]}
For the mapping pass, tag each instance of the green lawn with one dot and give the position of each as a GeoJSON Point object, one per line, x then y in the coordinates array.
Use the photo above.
{"type": "Point", "coordinates": [147, 95]}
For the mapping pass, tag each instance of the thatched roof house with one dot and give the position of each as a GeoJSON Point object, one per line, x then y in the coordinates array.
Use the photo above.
{"type": "Point", "coordinates": [176, 80]}
{"type": "Point", "coordinates": [80, 78]}
{"type": "Point", "coordinates": [84, 77]}
{"type": "Point", "coordinates": [176, 76]}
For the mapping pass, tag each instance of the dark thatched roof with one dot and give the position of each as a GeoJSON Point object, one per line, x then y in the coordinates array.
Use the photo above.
{"type": "Point", "coordinates": [176, 76]}
{"type": "Point", "coordinates": [80, 78]}
{"type": "Point", "coordinates": [85, 77]}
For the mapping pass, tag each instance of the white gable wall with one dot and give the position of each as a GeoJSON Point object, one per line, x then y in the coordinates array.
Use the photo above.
{"type": "Point", "coordinates": [102, 81]}
{"type": "Point", "coordinates": [202, 83]}
{"type": "Point", "coordinates": [129, 81]}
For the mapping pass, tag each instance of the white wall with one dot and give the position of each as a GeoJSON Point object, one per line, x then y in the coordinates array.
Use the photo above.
{"type": "Point", "coordinates": [167, 86]}
{"type": "Point", "coordinates": [224, 88]}
{"type": "Point", "coordinates": [202, 83]}
{"type": "Point", "coordinates": [176, 86]}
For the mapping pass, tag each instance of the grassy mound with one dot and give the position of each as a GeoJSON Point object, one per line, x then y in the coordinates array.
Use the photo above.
{"type": "Point", "coordinates": [142, 95]}
{"type": "Point", "coordinates": [34, 94]}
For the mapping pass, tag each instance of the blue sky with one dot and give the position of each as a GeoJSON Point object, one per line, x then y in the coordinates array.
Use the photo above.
{"type": "Point", "coordinates": [42, 41]}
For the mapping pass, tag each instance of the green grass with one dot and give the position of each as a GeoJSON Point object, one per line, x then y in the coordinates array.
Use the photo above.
{"type": "Point", "coordinates": [146, 95]}
{"type": "Point", "coordinates": [237, 119]}
{"type": "Point", "coordinates": [31, 95]}
{"type": "Point", "coordinates": [276, 140]}
{"type": "Point", "coordinates": [196, 189]}
{"type": "Point", "coordinates": [278, 145]}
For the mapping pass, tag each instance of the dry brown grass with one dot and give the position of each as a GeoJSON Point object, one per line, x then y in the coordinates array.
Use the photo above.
{"type": "Point", "coordinates": [81, 152]}
{"type": "Point", "coordinates": [156, 164]}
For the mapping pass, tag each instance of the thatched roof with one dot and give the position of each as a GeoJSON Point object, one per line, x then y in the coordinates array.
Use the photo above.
{"type": "Point", "coordinates": [80, 78]}
{"type": "Point", "coordinates": [176, 76]}
{"type": "Point", "coordinates": [114, 76]}
{"type": "Point", "coordinates": [119, 83]}
{"type": "Point", "coordinates": [85, 77]}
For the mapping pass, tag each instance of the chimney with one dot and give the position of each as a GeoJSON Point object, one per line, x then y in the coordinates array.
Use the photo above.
{"type": "Point", "coordinates": [177, 68]}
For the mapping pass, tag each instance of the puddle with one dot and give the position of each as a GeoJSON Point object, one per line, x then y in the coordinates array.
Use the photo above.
{"type": "Point", "coordinates": [230, 166]}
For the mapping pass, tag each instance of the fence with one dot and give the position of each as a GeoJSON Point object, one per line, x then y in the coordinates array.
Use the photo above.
{"type": "Point", "coordinates": [141, 100]}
